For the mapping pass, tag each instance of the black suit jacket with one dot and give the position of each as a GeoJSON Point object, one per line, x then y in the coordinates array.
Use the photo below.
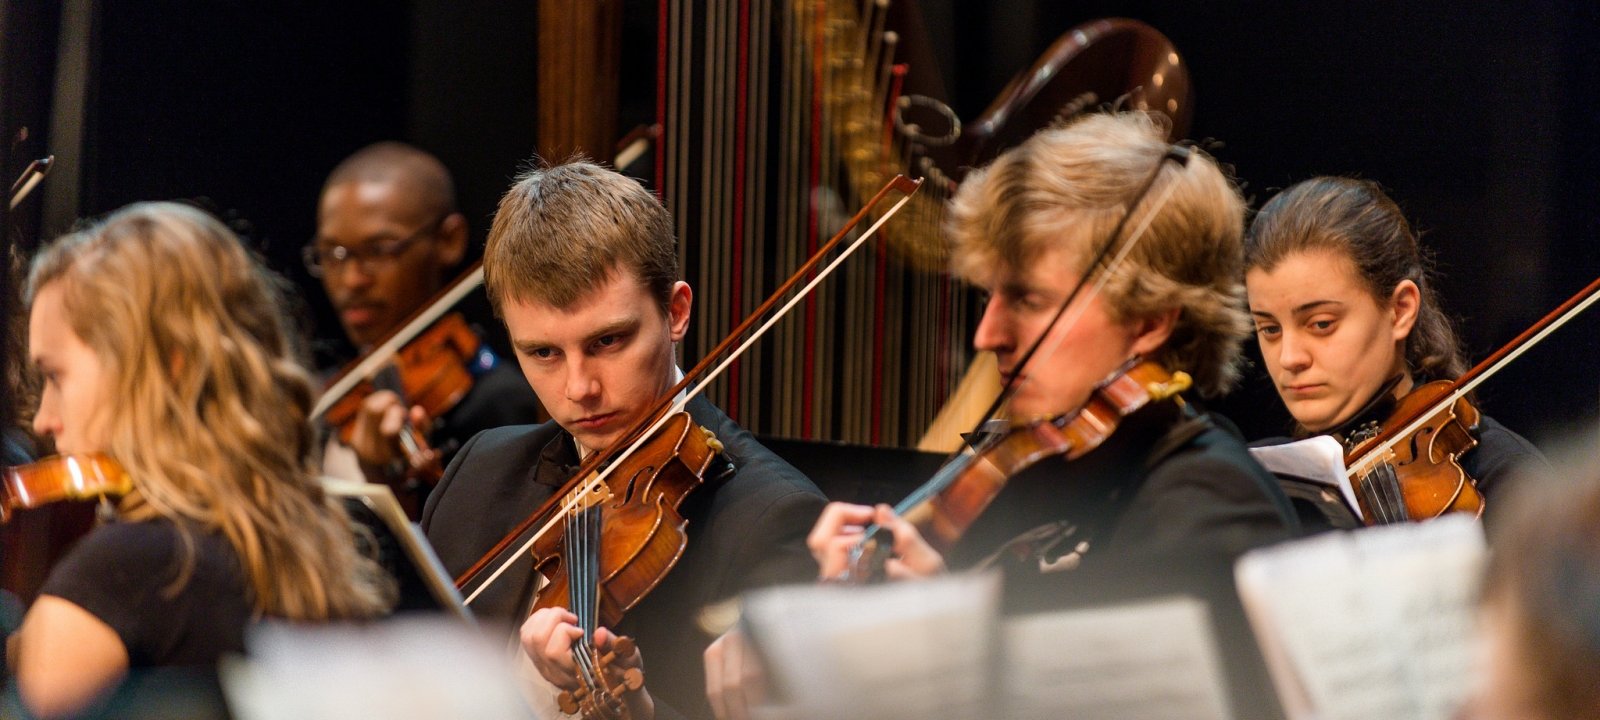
{"type": "Point", "coordinates": [1163, 507]}
{"type": "Point", "coordinates": [747, 529]}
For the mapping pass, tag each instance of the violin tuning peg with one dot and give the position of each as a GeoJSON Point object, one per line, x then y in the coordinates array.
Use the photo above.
{"type": "Point", "coordinates": [712, 441]}
{"type": "Point", "coordinates": [633, 679]}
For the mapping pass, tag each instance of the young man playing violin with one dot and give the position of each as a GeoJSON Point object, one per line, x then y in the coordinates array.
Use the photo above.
{"type": "Point", "coordinates": [1168, 481]}
{"type": "Point", "coordinates": [582, 266]}
{"type": "Point", "coordinates": [388, 233]}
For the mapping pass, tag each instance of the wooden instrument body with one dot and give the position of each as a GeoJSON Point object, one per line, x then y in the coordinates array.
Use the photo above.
{"type": "Point", "coordinates": [638, 508]}
{"type": "Point", "coordinates": [1420, 476]}
{"type": "Point", "coordinates": [58, 479]}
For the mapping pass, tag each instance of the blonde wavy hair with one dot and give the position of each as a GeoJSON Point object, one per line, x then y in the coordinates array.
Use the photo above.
{"type": "Point", "coordinates": [207, 403]}
{"type": "Point", "coordinates": [1068, 187]}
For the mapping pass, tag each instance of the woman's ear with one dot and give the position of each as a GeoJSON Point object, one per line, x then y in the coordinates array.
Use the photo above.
{"type": "Point", "coordinates": [1405, 303]}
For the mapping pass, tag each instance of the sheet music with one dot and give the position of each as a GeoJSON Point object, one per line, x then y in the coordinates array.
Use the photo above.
{"type": "Point", "coordinates": [898, 650]}
{"type": "Point", "coordinates": [1372, 623]}
{"type": "Point", "coordinates": [1318, 459]}
{"type": "Point", "coordinates": [1155, 660]}
{"type": "Point", "coordinates": [380, 499]}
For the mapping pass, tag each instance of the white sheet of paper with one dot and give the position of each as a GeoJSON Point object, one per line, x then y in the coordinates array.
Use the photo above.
{"type": "Point", "coordinates": [1154, 660]}
{"type": "Point", "coordinates": [423, 667]}
{"type": "Point", "coordinates": [1376, 622]}
{"type": "Point", "coordinates": [898, 650]}
{"type": "Point", "coordinates": [1319, 459]}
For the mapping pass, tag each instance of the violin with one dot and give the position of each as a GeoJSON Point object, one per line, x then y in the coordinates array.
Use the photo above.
{"type": "Point", "coordinates": [613, 532]}
{"type": "Point", "coordinates": [432, 372]}
{"type": "Point", "coordinates": [947, 505]}
{"type": "Point", "coordinates": [1420, 477]}
{"type": "Point", "coordinates": [1410, 469]}
{"type": "Point", "coordinates": [59, 479]}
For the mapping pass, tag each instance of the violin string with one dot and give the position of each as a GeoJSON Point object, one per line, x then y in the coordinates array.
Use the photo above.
{"type": "Point", "coordinates": [1397, 499]}
{"type": "Point", "coordinates": [1373, 506]}
{"type": "Point", "coordinates": [571, 557]}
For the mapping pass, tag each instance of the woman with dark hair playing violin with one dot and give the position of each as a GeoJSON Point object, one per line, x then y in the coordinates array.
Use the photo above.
{"type": "Point", "coordinates": [163, 348]}
{"type": "Point", "coordinates": [1348, 321]}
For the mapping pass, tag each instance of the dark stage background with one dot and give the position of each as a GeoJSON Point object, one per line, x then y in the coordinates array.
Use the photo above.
{"type": "Point", "coordinates": [1480, 117]}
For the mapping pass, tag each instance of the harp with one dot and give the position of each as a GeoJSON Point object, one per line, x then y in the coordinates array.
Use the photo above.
{"type": "Point", "coordinates": [773, 120]}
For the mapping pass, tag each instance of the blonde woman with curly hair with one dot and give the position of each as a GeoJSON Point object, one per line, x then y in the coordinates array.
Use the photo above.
{"type": "Point", "coordinates": [163, 344]}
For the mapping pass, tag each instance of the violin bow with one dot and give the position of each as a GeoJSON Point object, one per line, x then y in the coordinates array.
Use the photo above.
{"type": "Point", "coordinates": [599, 465]}
{"type": "Point", "coordinates": [30, 179]}
{"type": "Point", "coordinates": [429, 313]}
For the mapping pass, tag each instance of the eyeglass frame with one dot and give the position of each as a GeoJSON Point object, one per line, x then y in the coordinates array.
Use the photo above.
{"type": "Point", "coordinates": [373, 254]}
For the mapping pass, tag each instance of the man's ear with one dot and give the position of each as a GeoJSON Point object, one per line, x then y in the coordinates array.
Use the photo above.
{"type": "Point", "coordinates": [1152, 332]}
{"type": "Point", "coordinates": [680, 304]}
{"type": "Point", "coordinates": [452, 240]}
{"type": "Point", "coordinates": [1405, 303]}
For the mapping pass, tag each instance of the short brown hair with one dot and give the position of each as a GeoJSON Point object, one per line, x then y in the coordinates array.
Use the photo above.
{"type": "Point", "coordinates": [1069, 186]}
{"type": "Point", "coordinates": [562, 230]}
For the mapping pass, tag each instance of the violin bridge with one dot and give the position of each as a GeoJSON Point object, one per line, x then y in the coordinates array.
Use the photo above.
{"type": "Point", "coordinates": [590, 494]}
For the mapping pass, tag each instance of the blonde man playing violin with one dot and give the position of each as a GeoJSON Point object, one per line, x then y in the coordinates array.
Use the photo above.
{"type": "Point", "coordinates": [582, 266]}
{"type": "Point", "coordinates": [1168, 481]}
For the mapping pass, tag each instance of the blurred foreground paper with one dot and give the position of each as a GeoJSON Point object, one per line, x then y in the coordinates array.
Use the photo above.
{"type": "Point", "coordinates": [898, 650]}
{"type": "Point", "coordinates": [415, 667]}
{"type": "Point", "coordinates": [1153, 660]}
{"type": "Point", "coordinates": [935, 649]}
{"type": "Point", "coordinates": [1375, 623]}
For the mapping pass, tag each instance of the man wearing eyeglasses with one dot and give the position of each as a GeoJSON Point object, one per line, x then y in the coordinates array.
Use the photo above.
{"type": "Point", "coordinates": [388, 238]}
